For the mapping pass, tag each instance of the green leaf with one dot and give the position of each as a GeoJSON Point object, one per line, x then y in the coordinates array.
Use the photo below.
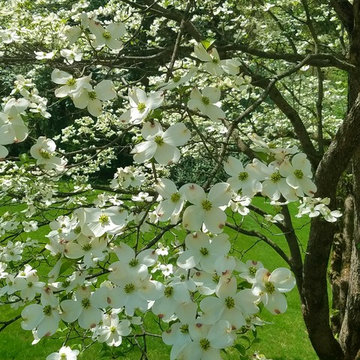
{"type": "Point", "coordinates": [65, 265]}
{"type": "Point", "coordinates": [240, 348]}
{"type": "Point", "coordinates": [24, 158]}
{"type": "Point", "coordinates": [207, 42]}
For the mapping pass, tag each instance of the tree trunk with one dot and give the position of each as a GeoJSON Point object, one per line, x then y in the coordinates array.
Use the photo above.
{"type": "Point", "coordinates": [350, 327]}
{"type": "Point", "coordinates": [340, 266]}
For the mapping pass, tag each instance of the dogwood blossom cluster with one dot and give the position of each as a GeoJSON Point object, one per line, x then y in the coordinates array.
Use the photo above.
{"type": "Point", "coordinates": [82, 92]}
{"type": "Point", "coordinates": [144, 246]}
{"type": "Point", "coordinates": [44, 153]}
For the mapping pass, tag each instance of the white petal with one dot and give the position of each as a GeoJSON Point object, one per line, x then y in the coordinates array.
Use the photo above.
{"type": "Point", "coordinates": [89, 318]}
{"type": "Point", "coordinates": [233, 166]}
{"type": "Point", "coordinates": [187, 260]}
{"type": "Point", "coordinates": [220, 194]}
{"type": "Point", "coordinates": [32, 316]}
{"type": "Point", "coordinates": [165, 187]}
{"type": "Point", "coordinates": [116, 29]}
{"type": "Point", "coordinates": [193, 193]}
{"type": "Point", "coordinates": [215, 220]}
{"type": "Point", "coordinates": [283, 279]}
{"type": "Point", "coordinates": [212, 93]}
{"type": "Point", "coordinates": [3, 152]}
{"type": "Point", "coordinates": [105, 90]}
{"type": "Point", "coordinates": [70, 310]}
{"type": "Point", "coordinates": [177, 135]}
{"type": "Point", "coordinates": [166, 154]}
{"type": "Point", "coordinates": [201, 53]}
{"type": "Point", "coordinates": [60, 77]}
{"type": "Point", "coordinates": [81, 99]}
{"type": "Point", "coordinates": [151, 129]}
{"type": "Point", "coordinates": [214, 112]}
{"type": "Point", "coordinates": [144, 151]}
{"type": "Point", "coordinates": [193, 218]}
{"type": "Point", "coordinates": [95, 107]}
{"type": "Point", "coordinates": [275, 303]}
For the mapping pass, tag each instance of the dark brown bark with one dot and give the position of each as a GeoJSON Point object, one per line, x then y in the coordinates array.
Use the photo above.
{"type": "Point", "coordinates": [344, 10]}
{"type": "Point", "coordinates": [316, 303]}
{"type": "Point", "coordinates": [350, 327]}
{"type": "Point", "coordinates": [340, 265]}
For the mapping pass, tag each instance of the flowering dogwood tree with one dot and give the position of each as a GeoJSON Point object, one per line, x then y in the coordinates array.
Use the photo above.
{"type": "Point", "coordinates": [148, 255]}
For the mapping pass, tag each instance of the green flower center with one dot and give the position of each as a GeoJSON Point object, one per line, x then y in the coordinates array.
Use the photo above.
{"type": "Point", "coordinates": [159, 140]}
{"type": "Point", "coordinates": [176, 78]}
{"type": "Point", "coordinates": [133, 262]}
{"type": "Point", "coordinates": [299, 174]}
{"type": "Point", "coordinates": [270, 288]}
{"type": "Point", "coordinates": [129, 288]}
{"type": "Point", "coordinates": [85, 303]}
{"type": "Point", "coordinates": [216, 278]}
{"type": "Point", "coordinates": [168, 291]}
{"type": "Point", "coordinates": [215, 61]}
{"type": "Point", "coordinates": [204, 343]}
{"type": "Point", "coordinates": [229, 302]}
{"type": "Point", "coordinates": [104, 219]}
{"type": "Point", "coordinates": [184, 329]}
{"type": "Point", "coordinates": [252, 270]}
{"type": "Point", "coordinates": [86, 247]}
{"type": "Point", "coordinates": [243, 176]}
{"type": "Point", "coordinates": [113, 329]}
{"type": "Point", "coordinates": [63, 357]}
{"type": "Point", "coordinates": [141, 107]}
{"type": "Point", "coordinates": [175, 197]}
{"type": "Point", "coordinates": [106, 35]}
{"type": "Point", "coordinates": [30, 284]}
{"type": "Point", "coordinates": [206, 205]}
{"type": "Point", "coordinates": [204, 251]}
{"type": "Point", "coordinates": [275, 177]}
{"type": "Point", "coordinates": [205, 100]}
{"type": "Point", "coordinates": [92, 95]}
{"type": "Point", "coordinates": [71, 82]}
{"type": "Point", "coordinates": [45, 154]}
{"type": "Point", "coordinates": [47, 310]}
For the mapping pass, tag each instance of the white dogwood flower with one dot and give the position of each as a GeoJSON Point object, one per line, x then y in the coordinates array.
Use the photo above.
{"type": "Point", "coordinates": [161, 145]}
{"type": "Point", "coordinates": [12, 127]}
{"type": "Point", "coordinates": [44, 319]}
{"type": "Point", "coordinates": [203, 252]}
{"type": "Point", "coordinates": [172, 203]}
{"type": "Point", "coordinates": [96, 222]}
{"type": "Point", "coordinates": [207, 102]}
{"type": "Point", "coordinates": [207, 209]}
{"type": "Point", "coordinates": [65, 353]}
{"type": "Point", "coordinates": [91, 98]}
{"type": "Point", "coordinates": [271, 286]}
{"type": "Point", "coordinates": [83, 310]}
{"type": "Point", "coordinates": [247, 179]}
{"type": "Point", "coordinates": [207, 340]}
{"type": "Point", "coordinates": [298, 174]}
{"type": "Point", "coordinates": [70, 85]}
{"type": "Point", "coordinates": [229, 304]}
{"type": "Point", "coordinates": [141, 105]}
{"type": "Point", "coordinates": [212, 62]}
{"type": "Point", "coordinates": [44, 153]}
{"type": "Point", "coordinates": [108, 36]}
{"type": "Point", "coordinates": [112, 330]}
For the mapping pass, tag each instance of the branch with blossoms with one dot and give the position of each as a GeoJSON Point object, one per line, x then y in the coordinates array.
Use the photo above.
{"type": "Point", "coordinates": [146, 246]}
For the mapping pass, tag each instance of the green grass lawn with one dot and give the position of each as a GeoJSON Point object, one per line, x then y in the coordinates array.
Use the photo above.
{"type": "Point", "coordinates": [284, 339]}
